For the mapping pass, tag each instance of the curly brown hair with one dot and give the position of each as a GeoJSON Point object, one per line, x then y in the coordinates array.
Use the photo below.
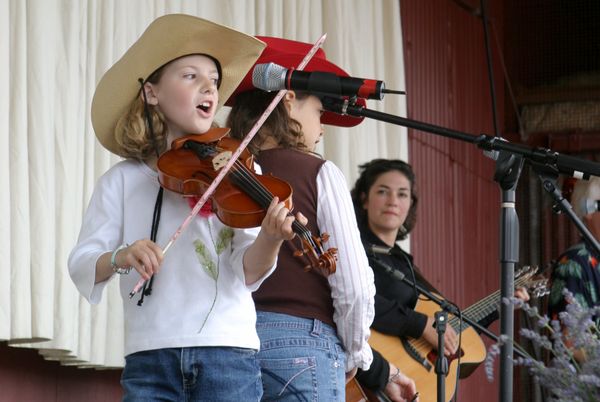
{"type": "Point", "coordinates": [279, 126]}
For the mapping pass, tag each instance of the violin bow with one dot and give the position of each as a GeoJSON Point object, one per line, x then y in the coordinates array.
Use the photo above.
{"type": "Point", "coordinates": [211, 189]}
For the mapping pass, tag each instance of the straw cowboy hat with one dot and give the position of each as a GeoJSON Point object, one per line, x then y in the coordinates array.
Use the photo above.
{"type": "Point", "coordinates": [289, 53]}
{"type": "Point", "coordinates": [167, 38]}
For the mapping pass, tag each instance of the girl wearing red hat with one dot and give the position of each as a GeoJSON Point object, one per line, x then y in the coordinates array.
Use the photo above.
{"type": "Point", "coordinates": [313, 329]}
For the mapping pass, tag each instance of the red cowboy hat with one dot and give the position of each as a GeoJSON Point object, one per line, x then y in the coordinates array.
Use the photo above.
{"type": "Point", "coordinates": [289, 53]}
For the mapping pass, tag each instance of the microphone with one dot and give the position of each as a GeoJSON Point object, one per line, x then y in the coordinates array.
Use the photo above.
{"type": "Point", "coordinates": [375, 249]}
{"type": "Point", "coordinates": [394, 273]}
{"type": "Point", "coordinates": [273, 77]}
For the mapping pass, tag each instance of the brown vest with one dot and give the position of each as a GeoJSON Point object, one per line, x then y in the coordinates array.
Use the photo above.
{"type": "Point", "coordinates": [291, 290]}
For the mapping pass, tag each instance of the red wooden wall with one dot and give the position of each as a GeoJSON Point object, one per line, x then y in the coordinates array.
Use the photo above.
{"type": "Point", "coordinates": [26, 377]}
{"type": "Point", "coordinates": [456, 239]}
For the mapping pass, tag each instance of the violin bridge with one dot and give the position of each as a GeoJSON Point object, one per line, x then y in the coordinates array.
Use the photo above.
{"type": "Point", "coordinates": [221, 159]}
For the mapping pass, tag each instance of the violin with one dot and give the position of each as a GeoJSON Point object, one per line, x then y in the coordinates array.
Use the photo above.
{"type": "Point", "coordinates": [243, 196]}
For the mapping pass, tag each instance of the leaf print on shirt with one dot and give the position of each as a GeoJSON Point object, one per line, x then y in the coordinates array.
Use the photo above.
{"type": "Point", "coordinates": [222, 242]}
{"type": "Point", "coordinates": [556, 295]}
{"type": "Point", "coordinates": [570, 268]}
{"type": "Point", "coordinates": [591, 288]}
{"type": "Point", "coordinates": [206, 261]}
{"type": "Point", "coordinates": [224, 239]}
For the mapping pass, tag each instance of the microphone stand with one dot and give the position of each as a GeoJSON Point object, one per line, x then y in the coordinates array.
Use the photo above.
{"type": "Point", "coordinates": [509, 162]}
{"type": "Point", "coordinates": [508, 170]}
{"type": "Point", "coordinates": [548, 176]}
{"type": "Point", "coordinates": [441, 363]}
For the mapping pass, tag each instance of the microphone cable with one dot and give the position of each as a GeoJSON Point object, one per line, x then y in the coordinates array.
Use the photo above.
{"type": "Point", "coordinates": [445, 303]}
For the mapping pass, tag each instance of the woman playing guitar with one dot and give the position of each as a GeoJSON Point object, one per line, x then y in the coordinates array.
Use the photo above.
{"type": "Point", "coordinates": [385, 202]}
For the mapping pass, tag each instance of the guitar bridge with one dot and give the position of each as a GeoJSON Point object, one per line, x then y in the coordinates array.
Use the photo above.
{"type": "Point", "coordinates": [414, 353]}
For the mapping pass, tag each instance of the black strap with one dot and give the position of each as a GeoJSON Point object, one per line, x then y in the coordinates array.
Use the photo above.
{"type": "Point", "coordinates": [147, 290]}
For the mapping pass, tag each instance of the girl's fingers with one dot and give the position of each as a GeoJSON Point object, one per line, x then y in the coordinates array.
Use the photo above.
{"type": "Point", "coordinates": [301, 218]}
{"type": "Point", "coordinates": [144, 256]}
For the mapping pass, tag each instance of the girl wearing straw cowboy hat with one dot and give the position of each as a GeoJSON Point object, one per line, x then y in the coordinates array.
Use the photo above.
{"type": "Point", "coordinates": [194, 337]}
{"type": "Point", "coordinates": [313, 329]}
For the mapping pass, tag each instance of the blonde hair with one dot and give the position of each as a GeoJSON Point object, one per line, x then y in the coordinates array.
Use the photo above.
{"type": "Point", "coordinates": [584, 194]}
{"type": "Point", "coordinates": [133, 134]}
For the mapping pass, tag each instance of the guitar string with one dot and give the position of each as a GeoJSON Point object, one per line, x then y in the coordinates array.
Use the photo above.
{"type": "Point", "coordinates": [473, 310]}
{"type": "Point", "coordinates": [486, 305]}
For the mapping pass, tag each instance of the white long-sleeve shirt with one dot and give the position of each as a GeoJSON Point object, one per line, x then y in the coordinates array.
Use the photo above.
{"type": "Point", "coordinates": [352, 285]}
{"type": "Point", "coordinates": [199, 297]}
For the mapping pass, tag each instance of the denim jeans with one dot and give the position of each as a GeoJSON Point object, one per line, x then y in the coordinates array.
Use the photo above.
{"type": "Point", "coordinates": [300, 359]}
{"type": "Point", "coordinates": [191, 375]}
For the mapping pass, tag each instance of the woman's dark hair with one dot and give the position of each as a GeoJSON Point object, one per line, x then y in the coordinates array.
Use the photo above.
{"type": "Point", "coordinates": [369, 172]}
{"type": "Point", "coordinates": [279, 126]}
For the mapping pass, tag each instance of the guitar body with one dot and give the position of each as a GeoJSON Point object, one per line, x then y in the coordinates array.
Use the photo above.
{"type": "Point", "coordinates": [401, 352]}
{"type": "Point", "coordinates": [356, 393]}
{"type": "Point", "coordinates": [392, 348]}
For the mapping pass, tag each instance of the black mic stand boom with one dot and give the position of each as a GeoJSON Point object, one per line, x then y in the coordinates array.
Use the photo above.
{"type": "Point", "coordinates": [509, 162]}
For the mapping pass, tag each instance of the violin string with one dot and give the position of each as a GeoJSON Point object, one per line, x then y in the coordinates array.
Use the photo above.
{"type": "Point", "coordinates": [247, 181]}
{"type": "Point", "coordinates": [241, 175]}
{"type": "Point", "coordinates": [250, 184]}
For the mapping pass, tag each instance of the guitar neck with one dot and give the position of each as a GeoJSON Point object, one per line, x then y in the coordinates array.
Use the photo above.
{"type": "Point", "coordinates": [481, 309]}
{"type": "Point", "coordinates": [478, 311]}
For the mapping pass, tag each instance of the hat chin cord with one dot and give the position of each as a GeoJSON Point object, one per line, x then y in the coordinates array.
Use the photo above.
{"type": "Point", "coordinates": [147, 289]}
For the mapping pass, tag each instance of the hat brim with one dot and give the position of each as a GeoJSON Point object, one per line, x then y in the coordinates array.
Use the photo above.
{"type": "Point", "coordinates": [168, 38]}
{"type": "Point", "coordinates": [290, 59]}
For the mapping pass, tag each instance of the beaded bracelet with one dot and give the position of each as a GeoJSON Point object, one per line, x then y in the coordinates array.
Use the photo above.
{"type": "Point", "coordinates": [113, 264]}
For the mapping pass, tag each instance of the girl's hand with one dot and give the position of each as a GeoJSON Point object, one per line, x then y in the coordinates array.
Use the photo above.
{"type": "Point", "coordinates": [277, 224]}
{"type": "Point", "coordinates": [262, 254]}
{"type": "Point", "coordinates": [144, 256]}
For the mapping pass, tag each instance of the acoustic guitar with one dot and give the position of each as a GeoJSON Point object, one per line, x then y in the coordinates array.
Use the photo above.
{"type": "Point", "coordinates": [416, 358]}
{"type": "Point", "coordinates": [357, 393]}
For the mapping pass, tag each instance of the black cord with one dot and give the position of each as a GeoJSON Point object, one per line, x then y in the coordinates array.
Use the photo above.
{"type": "Point", "coordinates": [412, 272]}
{"type": "Point", "coordinates": [149, 119]}
{"type": "Point", "coordinates": [446, 305]}
{"type": "Point", "coordinates": [147, 289]}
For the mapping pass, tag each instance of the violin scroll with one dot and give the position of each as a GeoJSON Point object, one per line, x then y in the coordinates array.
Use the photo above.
{"type": "Point", "coordinates": [323, 261]}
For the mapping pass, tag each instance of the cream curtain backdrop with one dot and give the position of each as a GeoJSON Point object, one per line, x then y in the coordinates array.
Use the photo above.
{"type": "Point", "coordinates": [55, 52]}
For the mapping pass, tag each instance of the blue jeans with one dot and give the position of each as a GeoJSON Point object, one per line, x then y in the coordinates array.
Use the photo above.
{"type": "Point", "coordinates": [192, 374]}
{"type": "Point", "coordinates": [300, 359]}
